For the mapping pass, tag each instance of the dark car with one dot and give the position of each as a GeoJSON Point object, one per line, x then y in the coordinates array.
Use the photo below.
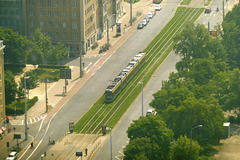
{"type": "Point", "coordinates": [140, 26]}
{"type": "Point", "coordinates": [208, 10]}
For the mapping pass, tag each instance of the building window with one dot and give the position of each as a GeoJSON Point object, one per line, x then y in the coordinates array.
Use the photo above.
{"type": "Point", "coordinates": [31, 13]}
{"type": "Point", "coordinates": [74, 3]}
{"type": "Point", "coordinates": [56, 3]}
{"type": "Point", "coordinates": [75, 35]}
{"type": "Point", "coordinates": [31, 33]}
{"type": "Point", "coordinates": [49, 13]}
{"type": "Point", "coordinates": [49, 24]}
{"type": "Point", "coordinates": [31, 23]}
{"type": "Point", "coordinates": [56, 24]}
{"type": "Point", "coordinates": [64, 24]}
{"type": "Point", "coordinates": [64, 3]}
{"type": "Point", "coordinates": [56, 14]}
{"type": "Point", "coordinates": [74, 25]}
{"type": "Point", "coordinates": [64, 14]}
{"type": "Point", "coordinates": [41, 2]}
{"type": "Point", "coordinates": [64, 34]}
{"type": "Point", "coordinates": [57, 34]}
{"type": "Point", "coordinates": [74, 14]}
{"type": "Point", "coordinates": [50, 34]}
{"type": "Point", "coordinates": [49, 3]}
{"type": "Point", "coordinates": [41, 13]}
{"type": "Point", "coordinates": [30, 2]}
{"type": "Point", "coordinates": [17, 11]}
{"type": "Point", "coordinates": [41, 23]}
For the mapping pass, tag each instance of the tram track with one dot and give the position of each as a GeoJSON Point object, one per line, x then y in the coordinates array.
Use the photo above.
{"type": "Point", "coordinates": [101, 116]}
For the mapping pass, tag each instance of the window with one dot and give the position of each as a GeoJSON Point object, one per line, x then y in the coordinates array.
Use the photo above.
{"type": "Point", "coordinates": [56, 3]}
{"type": "Point", "coordinates": [41, 23]}
{"type": "Point", "coordinates": [49, 13]}
{"type": "Point", "coordinates": [64, 3]}
{"type": "Point", "coordinates": [49, 24]}
{"type": "Point", "coordinates": [50, 34]}
{"type": "Point", "coordinates": [49, 3]}
{"type": "Point", "coordinates": [57, 34]}
{"type": "Point", "coordinates": [56, 24]}
{"type": "Point", "coordinates": [31, 13]}
{"type": "Point", "coordinates": [30, 2]}
{"type": "Point", "coordinates": [31, 33]}
{"type": "Point", "coordinates": [74, 25]}
{"type": "Point", "coordinates": [17, 11]}
{"type": "Point", "coordinates": [41, 2]}
{"type": "Point", "coordinates": [64, 14]}
{"type": "Point", "coordinates": [64, 34]}
{"type": "Point", "coordinates": [41, 13]}
{"type": "Point", "coordinates": [75, 35]}
{"type": "Point", "coordinates": [56, 14]}
{"type": "Point", "coordinates": [64, 24]}
{"type": "Point", "coordinates": [31, 23]}
{"type": "Point", "coordinates": [74, 4]}
{"type": "Point", "coordinates": [74, 14]}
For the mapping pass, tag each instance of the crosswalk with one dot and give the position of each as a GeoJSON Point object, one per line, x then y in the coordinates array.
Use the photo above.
{"type": "Point", "coordinates": [94, 56]}
{"type": "Point", "coordinates": [29, 121]}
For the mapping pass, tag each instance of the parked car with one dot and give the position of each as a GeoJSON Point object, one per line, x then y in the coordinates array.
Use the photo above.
{"type": "Point", "coordinates": [147, 19]}
{"type": "Point", "coordinates": [150, 112]}
{"type": "Point", "coordinates": [140, 26]}
{"type": "Point", "coordinates": [150, 15]}
{"type": "Point", "coordinates": [158, 8]}
{"type": "Point", "coordinates": [153, 12]}
{"type": "Point", "coordinates": [208, 10]}
{"type": "Point", "coordinates": [144, 22]}
{"type": "Point", "coordinates": [12, 156]}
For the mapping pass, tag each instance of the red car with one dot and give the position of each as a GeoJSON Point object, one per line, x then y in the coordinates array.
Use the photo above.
{"type": "Point", "coordinates": [207, 10]}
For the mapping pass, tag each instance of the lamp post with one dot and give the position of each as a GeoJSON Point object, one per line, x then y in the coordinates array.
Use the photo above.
{"type": "Point", "coordinates": [142, 95]}
{"type": "Point", "coordinates": [26, 128]}
{"type": "Point", "coordinates": [110, 140]}
{"type": "Point", "coordinates": [46, 95]}
{"type": "Point", "coordinates": [191, 138]}
{"type": "Point", "coordinates": [108, 29]}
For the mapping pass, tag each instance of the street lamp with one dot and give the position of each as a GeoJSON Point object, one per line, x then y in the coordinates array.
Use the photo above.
{"type": "Point", "coordinates": [142, 95]}
{"type": "Point", "coordinates": [191, 138]}
{"type": "Point", "coordinates": [26, 128]}
{"type": "Point", "coordinates": [110, 139]}
{"type": "Point", "coordinates": [46, 94]}
{"type": "Point", "coordinates": [108, 29]}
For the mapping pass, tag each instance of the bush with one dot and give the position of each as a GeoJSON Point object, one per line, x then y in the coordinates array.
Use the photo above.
{"type": "Point", "coordinates": [231, 119]}
{"type": "Point", "coordinates": [20, 106]}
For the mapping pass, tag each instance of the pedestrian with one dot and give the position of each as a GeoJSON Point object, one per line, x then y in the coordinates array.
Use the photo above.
{"type": "Point", "coordinates": [86, 151]}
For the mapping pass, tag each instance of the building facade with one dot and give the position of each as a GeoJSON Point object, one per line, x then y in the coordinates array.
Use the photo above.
{"type": "Point", "coordinates": [12, 15]}
{"type": "Point", "coordinates": [76, 23]}
{"type": "Point", "coordinates": [2, 87]}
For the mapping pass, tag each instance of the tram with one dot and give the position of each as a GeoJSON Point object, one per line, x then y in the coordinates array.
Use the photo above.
{"type": "Point", "coordinates": [123, 78]}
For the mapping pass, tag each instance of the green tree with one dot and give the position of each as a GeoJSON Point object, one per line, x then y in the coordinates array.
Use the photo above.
{"type": "Point", "coordinates": [10, 87]}
{"type": "Point", "coordinates": [180, 150]}
{"type": "Point", "coordinates": [154, 128]}
{"type": "Point", "coordinates": [16, 50]}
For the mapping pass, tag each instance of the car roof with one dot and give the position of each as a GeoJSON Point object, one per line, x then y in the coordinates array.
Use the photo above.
{"type": "Point", "coordinates": [13, 153]}
{"type": "Point", "coordinates": [150, 110]}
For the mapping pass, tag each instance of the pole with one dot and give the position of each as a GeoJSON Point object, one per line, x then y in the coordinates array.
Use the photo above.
{"type": "Point", "coordinates": [46, 96]}
{"type": "Point", "coordinates": [107, 32]}
{"type": "Point", "coordinates": [131, 11]}
{"type": "Point", "coordinates": [65, 81]}
{"type": "Point", "coordinates": [223, 9]}
{"type": "Point", "coordinates": [142, 99]}
{"type": "Point", "coordinates": [26, 131]}
{"type": "Point", "coordinates": [190, 144]}
{"type": "Point", "coordinates": [81, 72]}
{"type": "Point", "coordinates": [208, 26]}
{"type": "Point", "coordinates": [111, 142]}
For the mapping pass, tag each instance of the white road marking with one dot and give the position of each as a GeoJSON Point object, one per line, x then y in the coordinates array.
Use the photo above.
{"type": "Point", "coordinates": [87, 66]}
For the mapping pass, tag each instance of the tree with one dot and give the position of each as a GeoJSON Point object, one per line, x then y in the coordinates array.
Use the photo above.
{"type": "Point", "coordinates": [141, 148]}
{"type": "Point", "coordinates": [154, 128]}
{"type": "Point", "coordinates": [180, 150]}
{"type": "Point", "coordinates": [10, 87]}
{"type": "Point", "coordinates": [16, 50]}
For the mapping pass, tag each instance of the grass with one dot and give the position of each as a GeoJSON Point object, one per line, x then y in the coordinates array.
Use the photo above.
{"type": "Point", "coordinates": [186, 2]}
{"type": "Point", "coordinates": [207, 2]}
{"type": "Point", "coordinates": [47, 73]}
{"type": "Point", "coordinates": [145, 77]}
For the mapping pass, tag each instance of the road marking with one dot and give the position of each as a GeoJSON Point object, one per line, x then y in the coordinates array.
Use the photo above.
{"type": "Point", "coordinates": [22, 122]}
{"type": "Point", "coordinates": [120, 152]}
{"type": "Point", "coordinates": [30, 120]}
{"type": "Point", "coordinates": [34, 120]}
{"type": "Point", "coordinates": [88, 66]}
{"type": "Point", "coordinates": [38, 118]}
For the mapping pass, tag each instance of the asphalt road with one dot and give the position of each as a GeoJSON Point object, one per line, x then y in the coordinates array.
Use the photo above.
{"type": "Point", "coordinates": [119, 135]}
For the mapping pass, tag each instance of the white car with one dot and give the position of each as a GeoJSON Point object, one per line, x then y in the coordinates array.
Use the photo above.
{"type": "Point", "coordinates": [144, 22]}
{"type": "Point", "coordinates": [158, 7]}
{"type": "Point", "coordinates": [150, 15]}
{"type": "Point", "coordinates": [150, 112]}
{"type": "Point", "coordinates": [12, 156]}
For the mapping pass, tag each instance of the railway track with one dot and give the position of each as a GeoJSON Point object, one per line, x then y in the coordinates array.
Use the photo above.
{"type": "Point", "coordinates": [105, 112]}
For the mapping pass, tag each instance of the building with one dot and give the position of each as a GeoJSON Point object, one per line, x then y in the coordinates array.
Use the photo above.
{"type": "Point", "coordinates": [76, 23]}
{"type": "Point", "coordinates": [12, 15]}
{"type": "Point", "coordinates": [2, 88]}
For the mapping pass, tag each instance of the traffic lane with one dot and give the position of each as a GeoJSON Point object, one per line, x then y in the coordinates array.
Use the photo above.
{"type": "Point", "coordinates": [119, 135]}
